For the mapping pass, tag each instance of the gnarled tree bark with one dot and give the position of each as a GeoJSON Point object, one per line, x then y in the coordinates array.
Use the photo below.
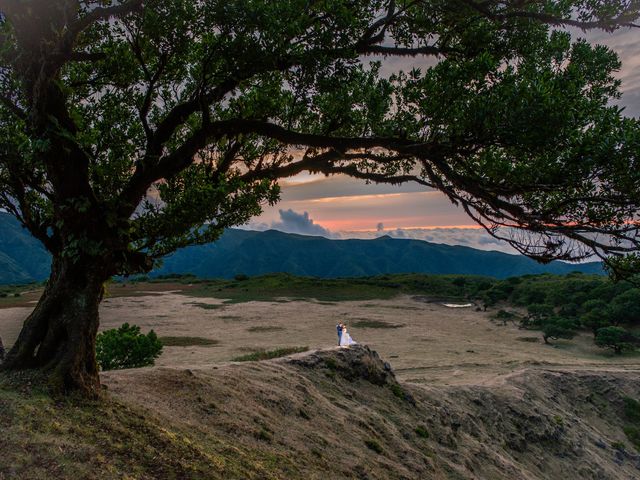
{"type": "Point", "coordinates": [59, 336]}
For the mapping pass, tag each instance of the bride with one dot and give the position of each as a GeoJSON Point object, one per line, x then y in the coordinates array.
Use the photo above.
{"type": "Point", "coordinates": [345, 338]}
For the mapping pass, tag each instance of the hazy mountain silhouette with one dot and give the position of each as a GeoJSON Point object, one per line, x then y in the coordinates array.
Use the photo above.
{"type": "Point", "coordinates": [23, 259]}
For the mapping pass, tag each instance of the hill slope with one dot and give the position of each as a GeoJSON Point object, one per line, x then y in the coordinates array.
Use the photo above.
{"type": "Point", "coordinates": [255, 253]}
{"type": "Point", "coordinates": [23, 259]}
{"type": "Point", "coordinates": [328, 414]}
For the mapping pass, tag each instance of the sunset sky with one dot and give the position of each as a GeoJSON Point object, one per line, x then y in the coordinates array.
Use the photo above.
{"type": "Point", "coordinates": [342, 207]}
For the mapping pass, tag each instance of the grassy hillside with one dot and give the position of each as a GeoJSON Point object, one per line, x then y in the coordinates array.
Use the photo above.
{"type": "Point", "coordinates": [327, 414]}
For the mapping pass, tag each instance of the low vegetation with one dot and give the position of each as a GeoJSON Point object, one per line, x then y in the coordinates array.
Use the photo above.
{"type": "Point", "coordinates": [264, 328]}
{"type": "Point", "coordinates": [269, 354]}
{"type": "Point", "coordinates": [127, 347]}
{"type": "Point", "coordinates": [375, 324]}
{"type": "Point", "coordinates": [632, 416]}
{"type": "Point", "coordinates": [207, 306]}
{"type": "Point", "coordinates": [374, 445]}
{"type": "Point", "coordinates": [188, 341]}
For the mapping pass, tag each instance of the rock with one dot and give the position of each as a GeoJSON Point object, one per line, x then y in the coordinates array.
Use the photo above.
{"type": "Point", "coordinates": [353, 363]}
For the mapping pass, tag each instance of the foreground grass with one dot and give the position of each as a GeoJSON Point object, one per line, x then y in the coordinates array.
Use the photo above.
{"type": "Point", "coordinates": [72, 438]}
{"type": "Point", "coordinates": [269, 354]}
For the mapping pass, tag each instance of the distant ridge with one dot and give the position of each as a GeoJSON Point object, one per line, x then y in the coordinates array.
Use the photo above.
{"type": "Point", "coordinates": [23, 259]}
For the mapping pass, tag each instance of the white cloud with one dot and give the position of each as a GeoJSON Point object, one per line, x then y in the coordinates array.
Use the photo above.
{"type": "Point", "coordinates": [292, 222]}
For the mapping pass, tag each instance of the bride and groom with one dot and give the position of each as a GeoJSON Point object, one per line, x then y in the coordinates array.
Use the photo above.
{"type": "Point", "coordinates": [344, 339]}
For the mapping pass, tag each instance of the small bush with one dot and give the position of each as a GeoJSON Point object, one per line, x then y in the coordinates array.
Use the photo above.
{"type": "Point", "coordinates": [616, 338]}
{"type": "Point", "coordinates": [331, 363]}
{"type": "Point", "coordinates": [632, 409]}
{"type": "Point", "coordinates": [397, 390]}
{"type": "Point", "coordinates": [264, 436]}
{"type": "Point", "coordinates": [422, 432]}
{"type": "Point", "coordinates": [373, 445]}
{"type": "Point", "coordinates": [557, 327]}
{"type": "Point", "coordinates": [619, 446]}
{"type": "Point", "coordinates": [303, 414]}
{"type": "Point", "coordinates": [126, 347]}
{"type": "Point", "coordinates": [241, 277]}
{"type": "Point", "coordinates": [632, 414]}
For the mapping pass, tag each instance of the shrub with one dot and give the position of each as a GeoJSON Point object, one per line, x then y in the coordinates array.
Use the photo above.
{"type": "Point", "coordinates": [264, 435]}
{"type": "Point", "coordinates": [538, 313]}
{"type": "Point", "coordinates": [558, 327]}
{"type": "Point", "coordinates": [241, 277]}
{"type": "Point", "coordinates": [126, 347]}
{"type": "Point", "coordinates": [422, 432]}
{"type": "Point", "coordinates": [397, 390]}
{"type": "Point", "coordinates": [373, 445]}
{"type": "Point", "coordinates": [504, 316]}
{"type": "Point", "coordinates": [632, 414]}
{"type": "Point", "coordinates": [595, 319]}
{"type": "Point", "coordinates": [615, 338]}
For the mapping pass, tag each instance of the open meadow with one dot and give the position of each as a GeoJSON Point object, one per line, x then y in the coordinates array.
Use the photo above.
{"type": "Point", "coordinates": [207, 323]}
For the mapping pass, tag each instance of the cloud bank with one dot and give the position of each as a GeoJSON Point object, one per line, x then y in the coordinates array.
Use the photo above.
{"type": "Point", "coordinates": [291, 221]}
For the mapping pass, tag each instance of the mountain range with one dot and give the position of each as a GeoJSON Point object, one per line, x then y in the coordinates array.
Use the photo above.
{"type": "Point", "coordinates": [23, 259]}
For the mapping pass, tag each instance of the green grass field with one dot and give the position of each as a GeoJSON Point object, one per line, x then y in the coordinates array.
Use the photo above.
{"type": "Point", "coordinates": [282, 287]}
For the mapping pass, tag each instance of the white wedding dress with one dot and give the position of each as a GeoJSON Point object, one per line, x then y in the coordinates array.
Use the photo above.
{"type": "Point", "coordinates": [346, 340]}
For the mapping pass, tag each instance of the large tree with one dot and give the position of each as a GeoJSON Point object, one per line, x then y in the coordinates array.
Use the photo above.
{"type": "Point", "coordinates": [131, 128]}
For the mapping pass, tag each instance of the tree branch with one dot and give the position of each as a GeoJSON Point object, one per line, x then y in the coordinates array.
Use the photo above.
{"type": "Point", "coordinates": [13, 108]}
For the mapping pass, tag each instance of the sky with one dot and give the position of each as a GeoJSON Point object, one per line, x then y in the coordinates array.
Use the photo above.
{"type": "Point", "coordinates": [342, 207]}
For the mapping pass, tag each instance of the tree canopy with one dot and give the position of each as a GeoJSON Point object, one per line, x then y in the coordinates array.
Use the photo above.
{"type": "Point", "coordinates": [161, 116]}
{"type": "Point", "coordinates": [131, 128]}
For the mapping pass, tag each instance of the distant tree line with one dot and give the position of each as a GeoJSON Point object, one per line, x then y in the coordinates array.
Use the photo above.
{"type": "Point", "coordinates": [561, 306]}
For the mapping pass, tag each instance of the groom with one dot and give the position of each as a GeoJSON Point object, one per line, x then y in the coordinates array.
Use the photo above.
{"type": "Point", "coordinates": [339, 330]}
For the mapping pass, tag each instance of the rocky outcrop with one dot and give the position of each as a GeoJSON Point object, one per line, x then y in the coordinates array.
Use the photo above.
{"type": "Point", "coordinates": [351, 363]}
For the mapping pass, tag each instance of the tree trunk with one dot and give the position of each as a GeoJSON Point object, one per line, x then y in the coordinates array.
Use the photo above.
{"type": "Point", "coordinates": [59, 335]}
